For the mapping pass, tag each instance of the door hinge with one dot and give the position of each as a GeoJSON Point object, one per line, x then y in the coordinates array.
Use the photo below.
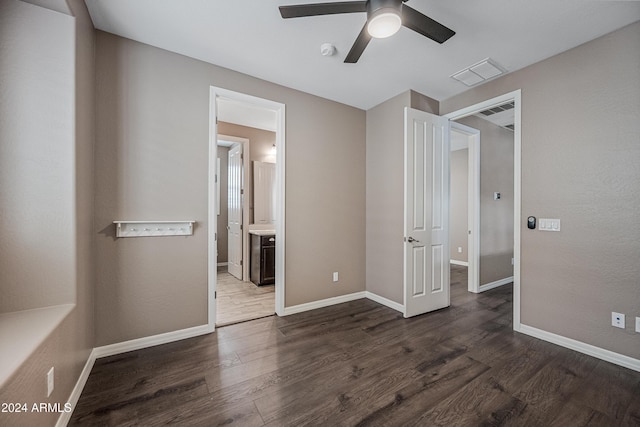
{"type": "Point", "coordinates": [216, 180]}
{"type": "Point", "coordinates": [215, 294]}
{"type": "Point", "coordinates": [242, 191]}
{"type": "Point", "coordinates": [240, 262]}
{"type": "Point", "coordinates": [241, 226]}
{"type": "Point", "coordinates": [215, 236]}
{"type": "Point", "coordinates": [216, 120]}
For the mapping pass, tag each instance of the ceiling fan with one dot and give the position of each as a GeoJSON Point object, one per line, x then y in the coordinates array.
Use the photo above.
{"type": "Point", "coordinates": [384, 19]}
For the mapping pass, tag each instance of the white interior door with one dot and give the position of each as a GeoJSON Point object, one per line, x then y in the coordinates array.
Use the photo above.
{"type": "Point", "coordinates": [426, 207]}
{"type": "Point", "coordinates": [235, 193]}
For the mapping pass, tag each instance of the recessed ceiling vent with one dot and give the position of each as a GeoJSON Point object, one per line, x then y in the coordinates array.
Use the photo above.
{"type": "Point", "coordinates": [500, 115]}
{"type": "Point", "coordinates": [498, 109]}
{"type": "Point", "coordinates": [478, 73]}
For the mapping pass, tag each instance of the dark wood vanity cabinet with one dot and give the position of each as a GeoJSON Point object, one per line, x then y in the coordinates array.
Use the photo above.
{"type": "Point", "coordinates": [263, 259]}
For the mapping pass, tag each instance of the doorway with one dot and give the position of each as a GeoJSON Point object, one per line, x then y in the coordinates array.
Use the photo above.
{"type": "Point", "coordinates": [513, 98]}
{"type": "Point", "coordinates": [465, 211]}
{"type": "Point", "coordinates": [238, 121]}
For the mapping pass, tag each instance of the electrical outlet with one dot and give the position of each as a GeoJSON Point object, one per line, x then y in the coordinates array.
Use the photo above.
{"type": "Point", "coordinates": [459, 249]}
{"type": "Point", "coordinates": [638, 325]}
{"type": "Point", "coordinates": [335, 276]}
{"type": "Point", "coordinates": [617, 320]}
{"type": "Point", "coordinates": [50, 382]}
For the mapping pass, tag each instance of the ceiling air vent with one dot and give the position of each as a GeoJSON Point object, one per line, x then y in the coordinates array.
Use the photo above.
{"type": "Point", "coordinates": [477, 73]}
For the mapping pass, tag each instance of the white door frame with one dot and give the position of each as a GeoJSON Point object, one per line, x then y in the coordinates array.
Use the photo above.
{"type": "Point", "coordinates": [473, 205]}
{"type": "Point", "coordinates": [516, 97]}
{"type": "Point", "coordinates": [246, 164]}
{"type": "Point", "coordinates": [279, 109]}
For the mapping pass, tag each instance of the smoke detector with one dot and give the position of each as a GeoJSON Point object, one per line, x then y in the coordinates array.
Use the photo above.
{"type": "Point", "coordinates": [327, 49]}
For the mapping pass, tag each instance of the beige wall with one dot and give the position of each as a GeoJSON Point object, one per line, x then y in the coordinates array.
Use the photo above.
{"type": "Point", "coordinates": [223, 233]}
{"type": "Point", "coordinates": [459, 204]}
{"type": "Point", "coordinates": [385, 192]}
{"type": "Point", "coordinates": [151, 151]}
{"type": "Point", "coordinates": [496, 216]}
{"type": "Point", "coordinates": [580, 157]}
{"type": "Point", "coordinates": [69, 345]}
{"type": "Point", "coordinates": [260, 142]}
{"type": "Point", "coordinates": [37, 248]}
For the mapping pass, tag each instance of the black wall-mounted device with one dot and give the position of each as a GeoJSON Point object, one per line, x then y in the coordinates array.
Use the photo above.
{"type": "Point", "coordinates": [531, 222]}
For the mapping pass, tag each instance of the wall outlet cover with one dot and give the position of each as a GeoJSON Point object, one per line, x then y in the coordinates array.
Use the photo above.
{"type": "Point", "coordinates": [617, 320]}
{"type": "Point", "coordinates": [335, 276]}
{"type": "Point", "coordinates": [50, 382]}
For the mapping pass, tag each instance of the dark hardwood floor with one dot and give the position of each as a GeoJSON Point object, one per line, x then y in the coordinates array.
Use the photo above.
{"type": "Point", "coordinates": [362, 364]}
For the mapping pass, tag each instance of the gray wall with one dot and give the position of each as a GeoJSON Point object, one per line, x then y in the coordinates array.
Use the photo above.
{"type": "Point", "coordinates": [580, 157]}
{"type": "Point", "coordinates": [223, 233]}
{"type": "Point", "coordinates": [458, 209]}
{"type": "Point", "coordinates": [385, 192]}
{"type": "Point", "coordinates": [260, 142]}
{"type": "Point", "coordinates": [36, 157]}
{"type": "Point", "coordinates": [151, 151]}
{"type": "Point", "coordinates": [496, 216]}
{"type": "Point", "coordinates": [67, 174]}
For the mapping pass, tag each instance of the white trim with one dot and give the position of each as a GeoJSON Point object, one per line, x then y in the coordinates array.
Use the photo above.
{"type": "Point", "coordinates": [153, 340]}
{"type": "Point", "coordinates": [456, 262]}
{"type": "Point", "coordinates": [495, 284]}
{"type": "Point", "coordinates": [579, 346]}
{"type": "Point", "coordinates": [212, 218]}
{"type": "Point", "coordinates": [324, 303]}
{"type": "Point", "coordinates": [223, 264]}
{"type": "Point", "coordinates": [385, 301]}
{"type": "Point", "coordinates": [65, 417]}
{"type": "Point", "coordinates": [516, 96]}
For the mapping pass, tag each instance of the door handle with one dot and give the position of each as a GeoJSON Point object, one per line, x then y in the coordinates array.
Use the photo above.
{"type": "Point", "coordinates": [411, 240]}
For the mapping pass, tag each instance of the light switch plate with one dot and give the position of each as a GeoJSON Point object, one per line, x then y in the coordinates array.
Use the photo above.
{"type": "Point", "coordinates": [638, 325]}
{"type": "Point", "coordinates": [547, 224]}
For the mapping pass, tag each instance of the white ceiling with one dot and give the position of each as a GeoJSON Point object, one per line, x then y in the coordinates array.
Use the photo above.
{"type": "Point", "coordinates": [249, 36]}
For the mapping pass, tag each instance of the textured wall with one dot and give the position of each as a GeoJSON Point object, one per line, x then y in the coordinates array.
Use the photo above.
{"type": "Point", "coordinates": [385, 192]}
{"type": "Point", "coordinates": [69, 345]}
{"type": "Point", "coordinates": [151, 162]}
{"type": "Point", "coordinates": [580, 157]}
{"type": "Point", "coordinates": [458, 236]}
{"type": "Point", "coordinates": [496, 216]}
{"type": "Point", "coordinates": [37, 248]}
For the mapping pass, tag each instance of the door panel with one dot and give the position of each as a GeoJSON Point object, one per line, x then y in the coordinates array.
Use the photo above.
{"type": "Point", "coordinates": [235, 183]}
{"type": "Point", "coordinates": [426, 253]}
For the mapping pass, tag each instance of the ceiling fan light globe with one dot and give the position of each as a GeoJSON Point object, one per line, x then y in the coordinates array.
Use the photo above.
{"type": "Point", "coordinates": [384, 24]}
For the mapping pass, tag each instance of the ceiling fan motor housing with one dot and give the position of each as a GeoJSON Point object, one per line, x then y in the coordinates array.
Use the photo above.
{"type": "Point", "coordinates": [375, 7]}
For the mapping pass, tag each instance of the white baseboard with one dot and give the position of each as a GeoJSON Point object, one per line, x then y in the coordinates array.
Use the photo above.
{"type": "Point", "coordinates": [495, 284]}
{"type": "Point", "coordinates": [323, 303]}
{"type": "Point", "coordinates": [223, 264]}
{"type": "Point", "coordinates": [456, 262]}
{"type": "Point", "coordinates": [579, 346]}
{"type": "Point", "coordinates": [137, 344]}
{"type": "Point", "coordinates": [385, 301]}
{"type": "Point", "coordinates": [65, 417]}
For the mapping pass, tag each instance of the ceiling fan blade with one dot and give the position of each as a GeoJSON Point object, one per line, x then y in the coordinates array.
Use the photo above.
{"type": "Point", "coordinates": [424, 25]}
{"type": "Point", "coordinates": [315, 9]}
{"type": "Point", "coordinates": [358, 46]}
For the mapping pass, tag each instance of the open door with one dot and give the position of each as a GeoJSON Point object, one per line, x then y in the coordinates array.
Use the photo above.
{"type": "Point", "coordinates": [426, 212]}
{"type": "Point", "coordinates": [235, 194]}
